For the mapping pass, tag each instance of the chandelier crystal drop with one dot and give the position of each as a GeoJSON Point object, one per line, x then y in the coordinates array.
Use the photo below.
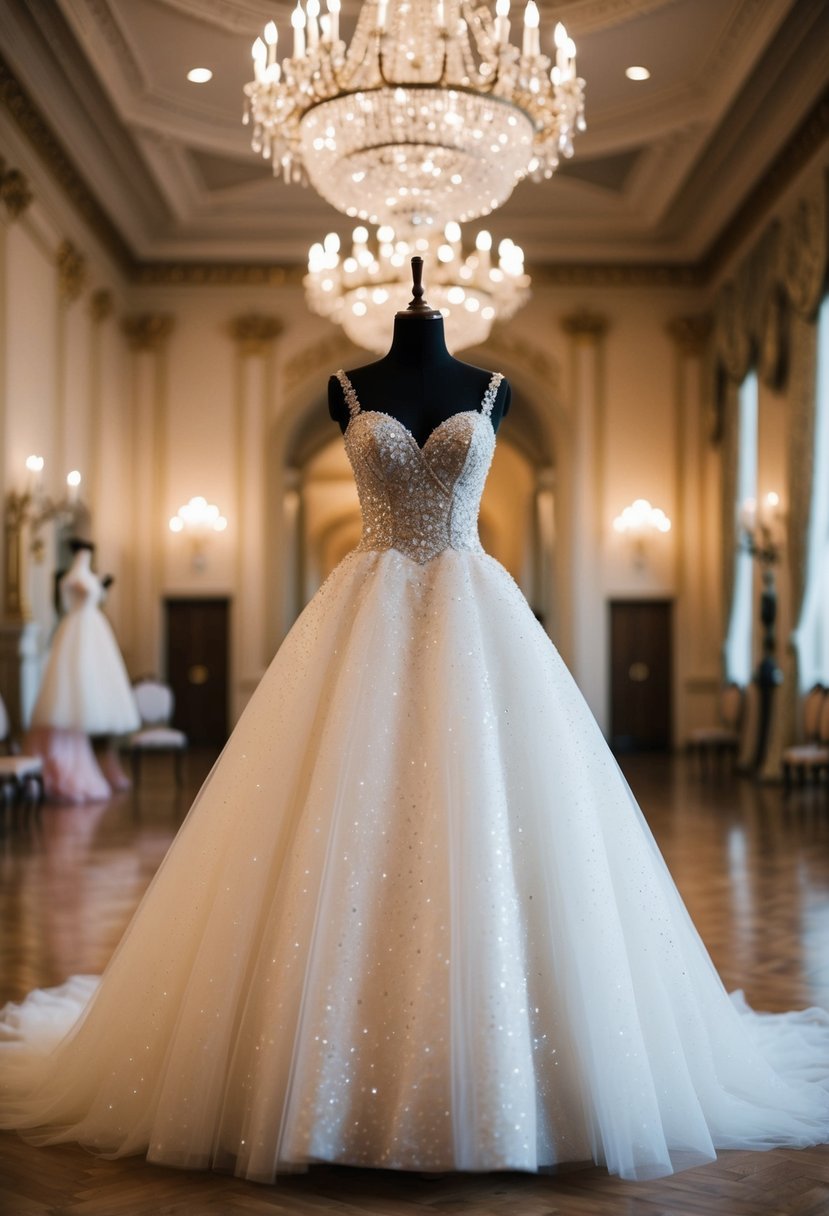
{"type": "Point", "coordinates": [430, 114]}
{"type": "Point", "coordinates": [362, 290]}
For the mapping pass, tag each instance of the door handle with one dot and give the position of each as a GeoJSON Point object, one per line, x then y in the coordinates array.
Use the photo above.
{"type": "Point", "coordinates": [198, 674]}
{"type": "Point", "coordinates": [639, 672]}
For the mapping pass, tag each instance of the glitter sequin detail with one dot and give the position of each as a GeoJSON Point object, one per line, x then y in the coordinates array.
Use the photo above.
{"type": "Point", "coordinates": [420, 501]}
{"type": "Point", "coordinates": [415, 918]}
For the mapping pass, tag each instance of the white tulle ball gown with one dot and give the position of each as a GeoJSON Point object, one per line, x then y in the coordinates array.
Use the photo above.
{"type": "Point", "coordinates": [85, 691]}
{"type": "Point", "coordinates": [415, 918]}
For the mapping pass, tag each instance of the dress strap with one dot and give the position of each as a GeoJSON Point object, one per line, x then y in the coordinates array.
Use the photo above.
{"type": "Point", "coordinates": [349, 393]}
{"type": "Point", "coordinates": [491, 393]}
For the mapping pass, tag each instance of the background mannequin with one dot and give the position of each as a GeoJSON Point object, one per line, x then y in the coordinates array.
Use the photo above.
{"type": "Point", "coordinates": [418, 381]}
{"type": "Point", "coordinates": [85, 691]}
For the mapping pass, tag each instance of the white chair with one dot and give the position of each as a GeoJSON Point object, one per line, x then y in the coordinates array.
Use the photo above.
{"type": "Point", "coordinates": [722, 739]}
{"type": "Point", "coordinates": [155, 703]}
{"type": "Point", "coordinates": [812, 756]}
{"type": "Point", "coordinates": [20, 776]}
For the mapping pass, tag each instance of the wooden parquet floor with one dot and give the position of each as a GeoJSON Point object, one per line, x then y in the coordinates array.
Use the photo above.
{"type": "Point", "coordinates": [753, 869]}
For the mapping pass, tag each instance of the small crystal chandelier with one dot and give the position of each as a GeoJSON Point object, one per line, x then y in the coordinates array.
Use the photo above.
{"type": "Point", "coordinates": [361, 291]}
{"type": "Point", "coordinates": [431, 114]}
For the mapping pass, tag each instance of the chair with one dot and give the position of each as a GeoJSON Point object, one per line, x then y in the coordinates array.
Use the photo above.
{"type": "Point", "coordinates": [812, 756]}
{"type": "Point", "coordinates": [20, 776]}
{"type": "Point", "coordinates": [722, 739]}
{"type": "Point", "coordinates": [155, 703]}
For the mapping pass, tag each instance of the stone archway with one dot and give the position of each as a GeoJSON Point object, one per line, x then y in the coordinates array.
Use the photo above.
{"type": "Point", "coordinates": [526, 518]}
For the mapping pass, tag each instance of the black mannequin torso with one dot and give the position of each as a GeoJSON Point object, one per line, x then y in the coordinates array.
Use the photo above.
{"type": "Point", "coordinates": [418, 381]}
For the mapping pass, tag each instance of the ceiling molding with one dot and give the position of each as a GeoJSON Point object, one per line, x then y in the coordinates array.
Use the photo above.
{"type": "Point", "coordinates": [40, 136]}
{"type": "Point", "coordinates": [810, 136]}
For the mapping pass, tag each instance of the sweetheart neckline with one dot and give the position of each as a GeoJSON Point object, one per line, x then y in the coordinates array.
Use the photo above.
{"type": "Point", "coordinates": [410, 434]}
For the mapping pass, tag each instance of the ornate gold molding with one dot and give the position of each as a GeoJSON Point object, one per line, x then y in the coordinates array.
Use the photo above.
{"type": "Point", "coordinates": [611, 274]}
{"type": "Point", "coordinates": [147, 331]}
{"type": "Point", "coordinates": [71, 266]}
{"type": "Point", "coordinates": [41, 137]}
{"type": "Point", "coordinates": [102, 305]}
{"type": "Point", "coordinates": [220, 274]}
{"type": "Point", "coordinates": [329, 352]}
{"type": "Point", "coordinates": [691, 333]}
{"type": "Point", "coordinates": [795, 155]}
{"type": "Point", "coordinates": [523, 354]}
{"type": "Point", "coordinates": [254, 332]}
{"type": "Point", "coordinates": [585, 325]}
{"type": "Point", "coordinates": [14, 190]}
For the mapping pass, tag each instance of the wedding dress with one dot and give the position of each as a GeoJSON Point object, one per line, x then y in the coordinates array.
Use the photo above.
{"type": "Point", "coordinates": [415, 918]}
{"type": "Point", "coordinates": [85, 691]}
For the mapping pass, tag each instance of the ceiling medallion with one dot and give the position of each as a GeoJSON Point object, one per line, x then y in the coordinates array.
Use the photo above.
{"type": "Point", "coordinates": [429, 115]}
{"type": "Point", "coordinates": [360, 291]}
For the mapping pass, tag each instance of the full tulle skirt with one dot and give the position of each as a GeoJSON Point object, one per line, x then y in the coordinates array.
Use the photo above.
{"type": "Point", "coordinates": [414, 919]}
{"type": "Point", "coordinates": [85, 686]}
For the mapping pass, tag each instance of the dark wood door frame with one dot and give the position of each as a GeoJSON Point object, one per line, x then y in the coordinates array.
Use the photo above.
{"type": "Point", "coordinates": [641, 674]}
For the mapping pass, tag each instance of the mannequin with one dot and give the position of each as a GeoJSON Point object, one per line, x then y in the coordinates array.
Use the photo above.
{"type": "Point", "coordinates": [85, 692]}
{"type": "Point", "coordinates": [418, 381]}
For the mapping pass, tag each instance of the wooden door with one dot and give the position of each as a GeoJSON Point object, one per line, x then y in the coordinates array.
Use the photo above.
{"type": "Point", "coordinates": [640, 675]}
{"type": "Point", "coordinates": [197, 667]}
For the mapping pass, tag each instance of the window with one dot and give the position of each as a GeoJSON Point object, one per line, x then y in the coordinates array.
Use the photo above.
{"type": "Point", "coordinates": [738, 653]}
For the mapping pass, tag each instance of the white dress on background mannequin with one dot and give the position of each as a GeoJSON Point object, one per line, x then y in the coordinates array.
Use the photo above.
{"type": "Point", "coordinates": [415, 918]}
{"type": "Point", "coordinates": [85, 690]}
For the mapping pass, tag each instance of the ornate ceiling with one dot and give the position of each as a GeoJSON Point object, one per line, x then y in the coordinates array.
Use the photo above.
{"type": "Point", "coordinates": [660, 173]}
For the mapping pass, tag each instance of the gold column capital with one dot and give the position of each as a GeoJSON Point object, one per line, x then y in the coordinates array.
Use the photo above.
{"type": "Point", "coordinates": [102, 305]}
{"type": "Point", "coordinates": [691, 333]}
{"type": "Point", "coordinates": [147, 331]}
{"type": "Point", "coordinates": [254, 332]}
{"type": "Point", "coordinates": [585, 325]}
{"type": "Point", "coordinates": [14, 190]}
{"type": "Point", "coordinates": [71, 272]}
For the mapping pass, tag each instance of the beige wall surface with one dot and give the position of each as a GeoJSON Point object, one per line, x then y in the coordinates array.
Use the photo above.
{"type": "Point", "coordinates": [161, 393]}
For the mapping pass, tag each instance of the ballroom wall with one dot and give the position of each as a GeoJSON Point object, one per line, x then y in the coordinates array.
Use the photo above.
{"type": "Point", "coordinates": [158, 391]}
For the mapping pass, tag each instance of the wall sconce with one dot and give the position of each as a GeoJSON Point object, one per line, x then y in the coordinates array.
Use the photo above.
{"type": "Point", "coordinates": [198, 518]}
{"type": "Point", "coordinates": [32, 509]}
{"type": "Point", "coordinates": [639, 521]}
{"type": "Point", "coordinates": [761, 528]}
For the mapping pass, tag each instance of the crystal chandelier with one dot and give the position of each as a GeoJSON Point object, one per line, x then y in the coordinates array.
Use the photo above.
{"type": "Point", "coordinates": [360, 291]}
{"type": "Point", "coordinates": [431, 114]}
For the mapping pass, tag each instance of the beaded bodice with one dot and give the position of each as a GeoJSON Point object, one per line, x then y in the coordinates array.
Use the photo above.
{"type": "Point", "coordinates": [420, 501]}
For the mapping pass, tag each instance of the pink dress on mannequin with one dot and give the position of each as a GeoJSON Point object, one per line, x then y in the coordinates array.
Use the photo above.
{"type": "Point", "coordinates": [85, 691]}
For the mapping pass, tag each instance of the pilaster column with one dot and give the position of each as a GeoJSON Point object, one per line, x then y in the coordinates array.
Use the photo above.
{"type": "Point", "coordinates": [695, 523]}
{"type": "Point", "coordinates": [545, 591]}
{"type": "Point", "coordinates": [147, 336]}
{"type": "Point", "coordinates": [101, 308]}
{"type": "Point", "coordinates": [254, 335]}
{"type": "Point", "coordinates": [72, 274]}
{"type": "Point", "coordinates": [19, 665]}
{"type": "Point", "coordinates": [586, 332]}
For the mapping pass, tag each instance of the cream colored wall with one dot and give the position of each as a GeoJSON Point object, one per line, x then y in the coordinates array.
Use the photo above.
{"type": "Point", "coordinates": [211, 410]}
{"type": "Point", "coordinates": [197, 414]}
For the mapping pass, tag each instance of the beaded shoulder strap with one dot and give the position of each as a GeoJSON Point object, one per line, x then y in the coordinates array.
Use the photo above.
{"type": "Point", "coordinates": [349, 393]}
{"type": "Point", "coordinates": [491, 393]}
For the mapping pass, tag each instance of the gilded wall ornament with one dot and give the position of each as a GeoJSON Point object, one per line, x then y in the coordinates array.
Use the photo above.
{"type": "Point", "coordinates": [14, 191]}
{"type": "Point", "coordinates": [147, 331]}
{"type": "Point", "coordinates": [72, 272]}
{"type": "Point", "coordinates": [254, 332]}
{"type": "Point", "coordinates": [691, 333]}
{"type": "Point", "coordinates": [805, 250]}
{"type": "Point", "coordinates": [102, 305]}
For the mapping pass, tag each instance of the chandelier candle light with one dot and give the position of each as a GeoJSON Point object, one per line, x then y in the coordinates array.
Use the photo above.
{"type": "Point", "coordinates": [430, 114]}
{"type": "Point", "coordinates": [471, 290]}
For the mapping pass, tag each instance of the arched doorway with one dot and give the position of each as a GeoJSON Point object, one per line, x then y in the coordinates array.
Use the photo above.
{"type": "Point", "coordinates": [525, 517]}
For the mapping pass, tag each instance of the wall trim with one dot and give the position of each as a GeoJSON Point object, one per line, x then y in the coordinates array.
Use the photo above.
{"type": "Point", "coordinates": [804, 142]}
